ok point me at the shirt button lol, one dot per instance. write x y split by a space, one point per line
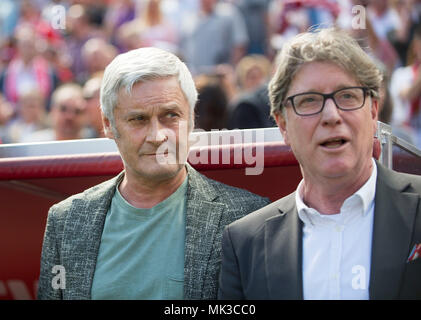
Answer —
339 228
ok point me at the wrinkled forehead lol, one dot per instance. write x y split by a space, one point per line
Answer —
320 76
152 93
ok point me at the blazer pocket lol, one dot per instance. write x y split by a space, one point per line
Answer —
411 284
174 288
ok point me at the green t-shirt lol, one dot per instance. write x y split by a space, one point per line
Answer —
141 255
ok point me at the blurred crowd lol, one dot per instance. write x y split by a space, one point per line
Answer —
53 54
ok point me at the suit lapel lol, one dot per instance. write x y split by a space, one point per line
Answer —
203 217
392 232
283 253
82 238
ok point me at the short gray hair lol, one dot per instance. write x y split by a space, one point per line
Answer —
140 65
325 45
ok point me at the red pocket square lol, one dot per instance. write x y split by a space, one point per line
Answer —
415 253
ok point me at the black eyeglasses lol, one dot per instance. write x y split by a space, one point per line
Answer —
346 99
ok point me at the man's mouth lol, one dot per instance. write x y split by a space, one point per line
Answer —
334 143
155 154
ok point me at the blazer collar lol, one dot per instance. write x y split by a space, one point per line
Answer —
394 217
82 236
283 252
203 217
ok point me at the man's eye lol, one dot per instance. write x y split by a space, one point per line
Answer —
171 115
347 96
308 100
137 118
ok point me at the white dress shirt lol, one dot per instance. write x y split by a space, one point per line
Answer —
337 248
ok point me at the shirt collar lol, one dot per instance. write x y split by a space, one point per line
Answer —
363 198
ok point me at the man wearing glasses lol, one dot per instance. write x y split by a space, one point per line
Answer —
352 229
67 116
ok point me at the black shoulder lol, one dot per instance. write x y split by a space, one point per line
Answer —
253 222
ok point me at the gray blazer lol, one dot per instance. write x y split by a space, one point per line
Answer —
262 252
74 228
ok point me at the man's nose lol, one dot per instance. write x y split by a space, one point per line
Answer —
156 132
330 113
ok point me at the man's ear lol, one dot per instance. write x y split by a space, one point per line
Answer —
106 123
375 113
282 125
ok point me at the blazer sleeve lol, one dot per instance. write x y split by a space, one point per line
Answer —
49 258
230 287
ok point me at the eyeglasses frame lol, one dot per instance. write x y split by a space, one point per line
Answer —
327 96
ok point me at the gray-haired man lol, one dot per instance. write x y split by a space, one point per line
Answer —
154 231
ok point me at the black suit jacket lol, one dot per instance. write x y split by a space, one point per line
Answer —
262 252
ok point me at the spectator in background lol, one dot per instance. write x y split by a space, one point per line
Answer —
31 117
80 30
28 70
60 61
128 37
51 28
252 72
217 35
226 74
405 89
179 12
400 37
30 13
9 15
381 20
375 44
288 18
212 106
385 100
155 29
255 13
382 17
91 91
117 14
96 55
151 28
6 113
67 116
251 109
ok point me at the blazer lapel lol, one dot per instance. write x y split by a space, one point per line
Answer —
394 217
82 238
283 253
202 221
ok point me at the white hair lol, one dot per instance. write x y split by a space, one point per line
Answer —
140 65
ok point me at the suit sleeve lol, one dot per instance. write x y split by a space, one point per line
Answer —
230 287
49 258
